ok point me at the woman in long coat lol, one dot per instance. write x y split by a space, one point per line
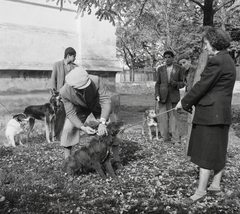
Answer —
212 96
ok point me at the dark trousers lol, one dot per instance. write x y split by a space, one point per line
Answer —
60 119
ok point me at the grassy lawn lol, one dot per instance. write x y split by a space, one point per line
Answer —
156 177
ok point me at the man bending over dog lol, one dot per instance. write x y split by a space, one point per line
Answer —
83 94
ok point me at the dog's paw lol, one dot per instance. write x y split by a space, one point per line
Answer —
117 165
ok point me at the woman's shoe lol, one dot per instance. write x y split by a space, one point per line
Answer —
189 201
214 192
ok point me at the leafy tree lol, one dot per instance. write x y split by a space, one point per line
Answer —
164 26
209 8
146 27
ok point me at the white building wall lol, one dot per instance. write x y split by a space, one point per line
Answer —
35 33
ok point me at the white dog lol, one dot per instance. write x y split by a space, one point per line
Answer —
150 120
15 127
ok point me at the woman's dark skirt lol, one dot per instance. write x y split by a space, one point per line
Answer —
208 146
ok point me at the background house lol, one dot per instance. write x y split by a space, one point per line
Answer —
34 35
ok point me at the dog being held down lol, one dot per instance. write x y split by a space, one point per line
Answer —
150 120
15 127
95 155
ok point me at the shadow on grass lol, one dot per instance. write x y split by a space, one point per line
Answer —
128 150
6 152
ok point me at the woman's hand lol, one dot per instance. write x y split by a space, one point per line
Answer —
88 130
179 105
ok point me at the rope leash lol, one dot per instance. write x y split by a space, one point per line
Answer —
135 124
166 111
3 127
5 108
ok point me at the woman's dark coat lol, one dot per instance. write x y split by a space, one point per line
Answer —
212 94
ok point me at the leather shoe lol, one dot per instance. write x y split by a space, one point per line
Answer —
189 201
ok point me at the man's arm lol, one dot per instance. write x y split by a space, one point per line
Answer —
71 113
54 77
104 101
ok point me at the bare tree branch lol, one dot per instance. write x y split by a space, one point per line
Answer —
222 5
199 4
142 8
234 6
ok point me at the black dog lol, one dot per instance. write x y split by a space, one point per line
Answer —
46 113
95 155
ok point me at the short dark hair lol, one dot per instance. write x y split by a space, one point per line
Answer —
69 51
217 37
183 56
169 52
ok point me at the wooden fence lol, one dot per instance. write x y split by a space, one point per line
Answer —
142 76
145 76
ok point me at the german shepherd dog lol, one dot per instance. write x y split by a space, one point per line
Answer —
46 113
150 120
95 155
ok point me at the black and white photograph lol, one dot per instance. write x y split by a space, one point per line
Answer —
120 106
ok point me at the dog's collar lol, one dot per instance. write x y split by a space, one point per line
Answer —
20 122
107 154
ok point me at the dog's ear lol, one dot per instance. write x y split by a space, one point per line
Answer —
53 91
19 117
16 116
146 113
113 128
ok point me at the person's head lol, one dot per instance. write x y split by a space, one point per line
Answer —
184 60
215 39
70 54
169 57
78 78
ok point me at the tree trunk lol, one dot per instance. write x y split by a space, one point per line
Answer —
208 13
202 60
167 44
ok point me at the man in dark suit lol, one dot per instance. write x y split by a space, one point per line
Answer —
170 78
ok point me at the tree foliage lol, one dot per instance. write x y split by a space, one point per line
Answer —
145 28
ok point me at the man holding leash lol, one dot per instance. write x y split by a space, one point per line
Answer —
60 70
82 95
170 78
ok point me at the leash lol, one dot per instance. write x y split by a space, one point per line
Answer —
3 127
135 124
5 108
166 111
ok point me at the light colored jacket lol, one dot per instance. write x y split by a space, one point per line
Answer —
71 101
59 73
